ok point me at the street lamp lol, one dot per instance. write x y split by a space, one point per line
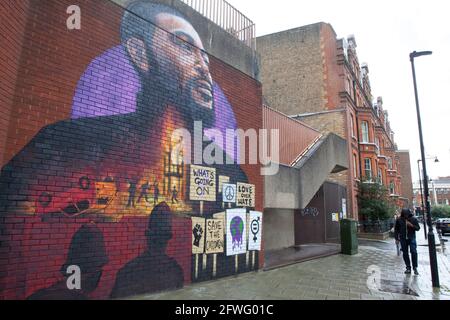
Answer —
431 238
421 197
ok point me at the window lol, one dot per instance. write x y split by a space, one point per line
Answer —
368 169
380 176
377 142
352 124
365 131
392 188
355 166
390 163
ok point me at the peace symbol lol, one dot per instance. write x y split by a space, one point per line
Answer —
229 193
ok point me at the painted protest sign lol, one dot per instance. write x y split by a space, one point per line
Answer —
202 184
222 181
255 231
245 195
236 231
214 236
229 193
198 235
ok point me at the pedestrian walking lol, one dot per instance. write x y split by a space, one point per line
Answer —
132 194
405 234
155 192
174 195
144 192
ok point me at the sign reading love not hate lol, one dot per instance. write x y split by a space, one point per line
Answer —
245 195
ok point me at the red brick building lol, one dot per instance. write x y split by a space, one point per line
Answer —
312 76
439 192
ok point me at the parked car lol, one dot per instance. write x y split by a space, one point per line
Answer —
443 224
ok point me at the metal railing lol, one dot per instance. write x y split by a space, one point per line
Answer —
228 18
379 226
295 136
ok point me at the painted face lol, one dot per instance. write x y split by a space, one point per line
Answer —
180 50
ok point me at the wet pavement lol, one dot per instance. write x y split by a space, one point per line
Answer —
375 273
293 255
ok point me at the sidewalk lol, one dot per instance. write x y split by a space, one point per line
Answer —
337 277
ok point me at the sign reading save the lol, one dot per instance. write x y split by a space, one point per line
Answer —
203 184
245 195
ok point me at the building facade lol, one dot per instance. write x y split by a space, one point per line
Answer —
439 192
312 76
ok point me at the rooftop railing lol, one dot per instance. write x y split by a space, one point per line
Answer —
228 18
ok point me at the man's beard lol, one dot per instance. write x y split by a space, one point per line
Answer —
160 90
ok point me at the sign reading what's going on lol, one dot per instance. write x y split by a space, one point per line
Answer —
202 184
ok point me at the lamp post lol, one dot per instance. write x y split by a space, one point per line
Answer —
431 238
421 197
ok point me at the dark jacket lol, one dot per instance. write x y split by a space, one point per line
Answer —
403 231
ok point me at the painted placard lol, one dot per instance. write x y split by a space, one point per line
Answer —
245 195
229 193
236 231
198 235
222 181
203 184
214 236
221 215
255 231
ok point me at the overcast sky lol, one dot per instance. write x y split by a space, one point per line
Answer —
386 32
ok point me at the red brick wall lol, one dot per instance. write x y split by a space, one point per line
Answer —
10 51
65 183
405 173
333 72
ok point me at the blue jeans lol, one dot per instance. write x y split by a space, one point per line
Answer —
412 244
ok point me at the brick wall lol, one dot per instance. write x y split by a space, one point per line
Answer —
11 39
292 62
327 122
92 175
405 172
333 72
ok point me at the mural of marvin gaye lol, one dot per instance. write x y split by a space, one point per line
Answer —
114 187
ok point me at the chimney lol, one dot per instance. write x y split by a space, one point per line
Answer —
380 102
352 41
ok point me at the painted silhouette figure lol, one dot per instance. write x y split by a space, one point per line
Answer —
153 270
132 194
87 242
144 192
174 195
155 193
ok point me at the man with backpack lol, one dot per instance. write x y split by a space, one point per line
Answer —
405 232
